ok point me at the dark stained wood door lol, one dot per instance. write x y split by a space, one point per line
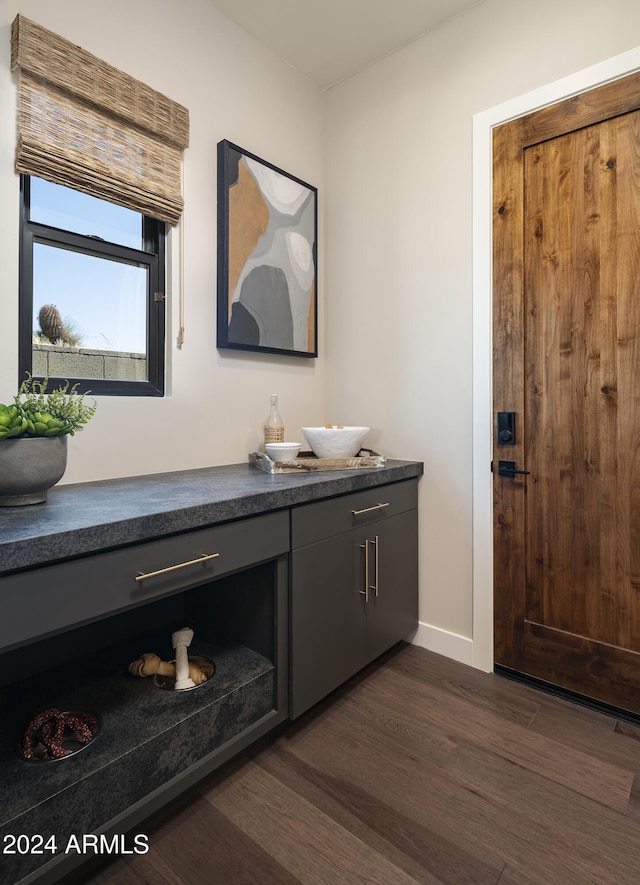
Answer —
567 362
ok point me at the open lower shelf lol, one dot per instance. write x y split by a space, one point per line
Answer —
148 736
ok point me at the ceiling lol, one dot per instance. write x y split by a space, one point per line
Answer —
329 40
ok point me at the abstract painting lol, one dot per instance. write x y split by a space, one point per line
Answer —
267 257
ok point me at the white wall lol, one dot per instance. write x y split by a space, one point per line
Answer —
399 254
235 89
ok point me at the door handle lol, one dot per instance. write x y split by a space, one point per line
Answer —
508 468
365 592
376 586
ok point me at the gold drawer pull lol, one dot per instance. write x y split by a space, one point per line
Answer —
142 576
369 509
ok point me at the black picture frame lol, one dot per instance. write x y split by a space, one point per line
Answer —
267 292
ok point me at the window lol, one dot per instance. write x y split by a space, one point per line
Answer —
92 277
100 155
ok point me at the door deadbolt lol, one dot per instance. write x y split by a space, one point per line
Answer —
506 428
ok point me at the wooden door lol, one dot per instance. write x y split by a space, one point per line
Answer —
567 362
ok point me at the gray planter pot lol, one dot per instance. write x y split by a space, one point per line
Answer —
29 467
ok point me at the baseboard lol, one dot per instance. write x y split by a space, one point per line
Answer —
442 642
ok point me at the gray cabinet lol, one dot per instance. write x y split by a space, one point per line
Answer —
68 634
354 585
80 600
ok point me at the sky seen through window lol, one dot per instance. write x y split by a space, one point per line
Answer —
102 301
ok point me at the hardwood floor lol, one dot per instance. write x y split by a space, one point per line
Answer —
418 770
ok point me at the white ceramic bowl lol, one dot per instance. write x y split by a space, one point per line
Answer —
335 442
284 451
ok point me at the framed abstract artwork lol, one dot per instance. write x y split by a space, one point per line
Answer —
267 257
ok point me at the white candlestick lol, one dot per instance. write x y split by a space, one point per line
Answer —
181 640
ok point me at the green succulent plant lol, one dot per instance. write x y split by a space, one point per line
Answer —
34 412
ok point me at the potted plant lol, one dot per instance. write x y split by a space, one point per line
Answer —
33 438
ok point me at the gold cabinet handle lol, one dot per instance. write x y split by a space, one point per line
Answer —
375 587
204 557
365 592
369 509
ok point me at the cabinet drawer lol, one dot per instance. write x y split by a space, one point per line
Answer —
324 519
46 600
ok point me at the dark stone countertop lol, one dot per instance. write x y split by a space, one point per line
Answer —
83 518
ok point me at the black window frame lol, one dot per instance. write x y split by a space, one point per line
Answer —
151 255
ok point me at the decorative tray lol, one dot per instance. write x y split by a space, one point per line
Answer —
307 461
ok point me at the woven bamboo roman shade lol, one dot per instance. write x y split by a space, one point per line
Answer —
89 126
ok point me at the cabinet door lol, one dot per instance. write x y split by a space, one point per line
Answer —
392 607
327 619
